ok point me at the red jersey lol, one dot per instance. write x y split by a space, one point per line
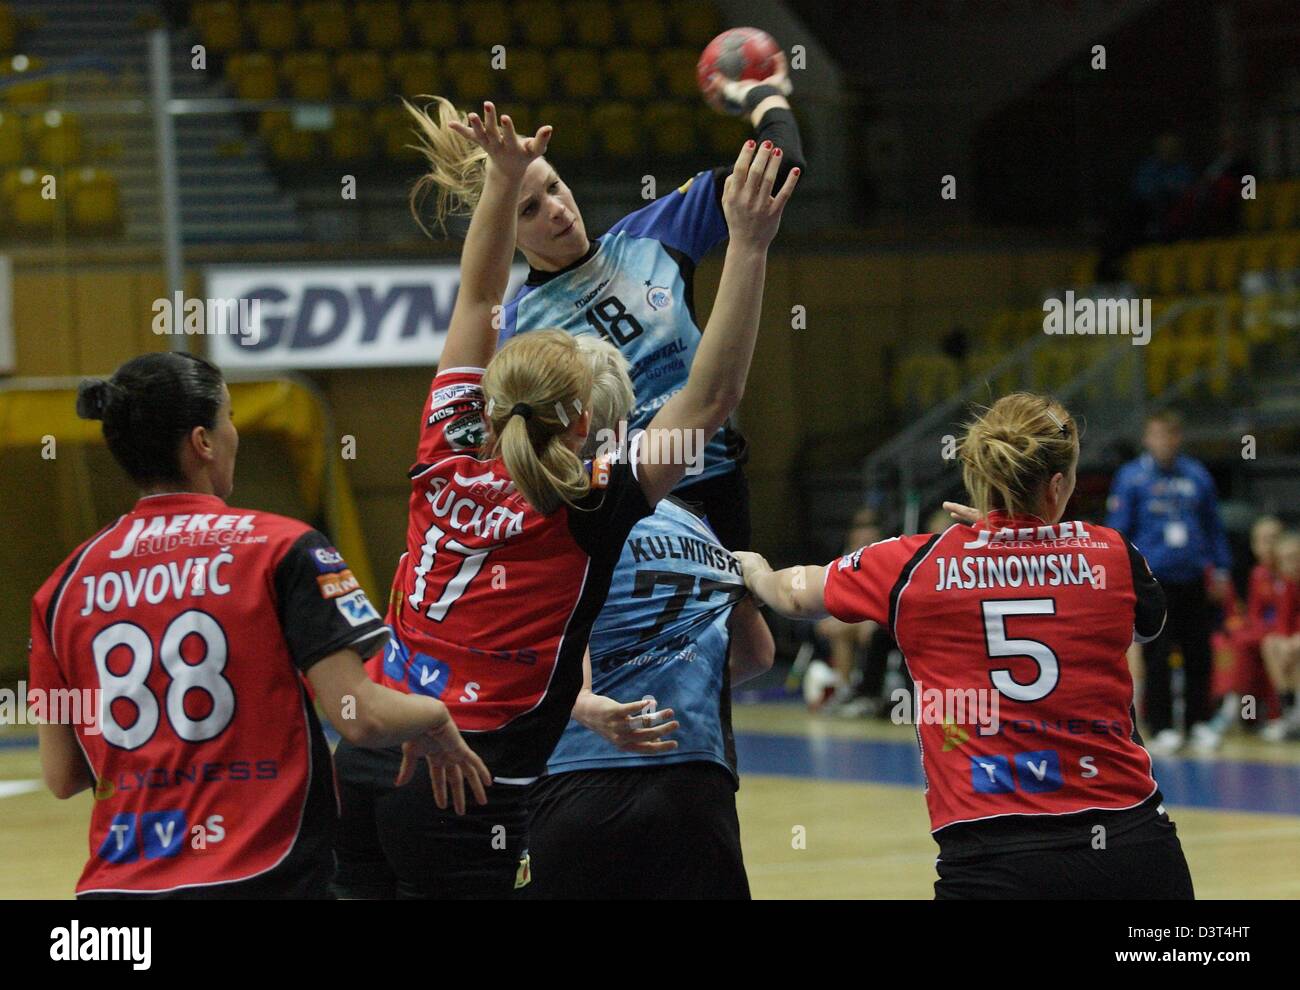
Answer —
189 623
1266 599
1015 634
493 602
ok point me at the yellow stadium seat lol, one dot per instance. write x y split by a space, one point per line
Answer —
30 212
524 117
54 138
1159 362
486 23
526 69
925 379
93 203
415 74
350 138
364 76
1254 212
540 23
616 129
572 130
293 146
1198 258
724 135
218 25
1285 203
20 93
1259 254
671 127
435 23
696 22
980 364
1140 266
307 75
1257 322
12 149
676 67
1169 269
470 76
631 74
253 76
381 25
999 330
578 73
1286 256
275 29
270 121
1227 263
327 24
590 22
644 22
394 130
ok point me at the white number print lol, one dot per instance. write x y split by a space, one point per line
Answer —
469 569
995 639
205 676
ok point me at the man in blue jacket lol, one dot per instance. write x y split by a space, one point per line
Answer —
1165 503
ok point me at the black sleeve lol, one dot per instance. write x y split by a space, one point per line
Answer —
780 127
601 521
321 606
1149 609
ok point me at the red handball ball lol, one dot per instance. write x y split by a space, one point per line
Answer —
735 54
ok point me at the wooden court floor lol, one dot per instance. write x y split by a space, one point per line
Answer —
828 809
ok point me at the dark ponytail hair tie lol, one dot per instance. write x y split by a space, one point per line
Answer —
522 409
93 396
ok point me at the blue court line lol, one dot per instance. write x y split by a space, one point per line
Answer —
1219 785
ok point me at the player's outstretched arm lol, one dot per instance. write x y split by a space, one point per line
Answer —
371 715
796 592
717 377
490 242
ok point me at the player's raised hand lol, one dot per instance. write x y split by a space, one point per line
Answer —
508 153
452 765
627 726
753 213
961 513
751 565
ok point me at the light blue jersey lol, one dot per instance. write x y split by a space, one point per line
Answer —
663 634
635 288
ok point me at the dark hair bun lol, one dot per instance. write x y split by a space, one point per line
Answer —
92 398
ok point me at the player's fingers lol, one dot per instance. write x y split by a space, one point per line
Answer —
787 189
456 781
508 130
476 127
744 160
490 120
630 709
461 129
438 775
479 780
640 735
651 747
754 180
541 139
769 174
406 771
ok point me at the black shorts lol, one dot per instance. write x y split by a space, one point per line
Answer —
640 833
394 842
724 503
1142 863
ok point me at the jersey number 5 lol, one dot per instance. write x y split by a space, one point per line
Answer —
997 644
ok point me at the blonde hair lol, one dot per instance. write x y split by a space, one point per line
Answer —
1011 451
456 164
545 371
612 396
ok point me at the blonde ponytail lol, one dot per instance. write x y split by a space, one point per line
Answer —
536 386
1011 451
456 164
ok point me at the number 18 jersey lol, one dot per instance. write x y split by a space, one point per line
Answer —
1015 633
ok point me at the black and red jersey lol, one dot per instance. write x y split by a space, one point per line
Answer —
1015 633
493 602
189 624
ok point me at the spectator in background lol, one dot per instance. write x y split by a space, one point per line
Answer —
1246 675
1165 503
1281 648
1218 191
1159 191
